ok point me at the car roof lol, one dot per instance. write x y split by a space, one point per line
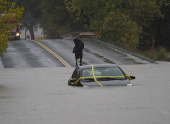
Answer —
96 66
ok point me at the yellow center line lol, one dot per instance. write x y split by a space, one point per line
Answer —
53 53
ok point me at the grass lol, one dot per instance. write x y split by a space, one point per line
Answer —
159 54
39 37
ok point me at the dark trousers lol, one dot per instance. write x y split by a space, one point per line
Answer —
79 56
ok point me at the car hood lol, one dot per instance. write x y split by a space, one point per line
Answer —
106 83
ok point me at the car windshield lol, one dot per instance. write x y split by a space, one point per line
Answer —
102 72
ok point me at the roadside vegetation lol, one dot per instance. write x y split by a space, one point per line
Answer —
141 26
9 12
160 54
157 54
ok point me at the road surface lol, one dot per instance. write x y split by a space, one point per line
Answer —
29 54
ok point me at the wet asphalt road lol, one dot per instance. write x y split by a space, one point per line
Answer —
28 54
41 96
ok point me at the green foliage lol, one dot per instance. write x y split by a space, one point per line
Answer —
55 18
8 12
162 27
121 20
134 22
32 14
160 53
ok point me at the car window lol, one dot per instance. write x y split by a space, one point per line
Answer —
112 71
77 75
109 71
74 73
86 73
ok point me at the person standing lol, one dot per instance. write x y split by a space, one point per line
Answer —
78 49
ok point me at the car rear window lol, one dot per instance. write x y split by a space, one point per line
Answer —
109 71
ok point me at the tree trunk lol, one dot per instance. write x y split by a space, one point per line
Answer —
153 42
31 29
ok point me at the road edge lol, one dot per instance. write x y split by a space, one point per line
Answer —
1 64
123 50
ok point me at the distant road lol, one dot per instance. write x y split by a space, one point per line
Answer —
30 54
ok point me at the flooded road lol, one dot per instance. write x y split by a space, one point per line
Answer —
41 96
34 90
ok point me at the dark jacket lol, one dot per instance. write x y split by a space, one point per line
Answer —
79 46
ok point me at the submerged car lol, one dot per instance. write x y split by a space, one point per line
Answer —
99 75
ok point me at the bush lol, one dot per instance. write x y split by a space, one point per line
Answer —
161 54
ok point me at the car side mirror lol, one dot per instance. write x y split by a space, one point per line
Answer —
71 81
132 77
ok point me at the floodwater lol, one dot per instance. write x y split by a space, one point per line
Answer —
41 96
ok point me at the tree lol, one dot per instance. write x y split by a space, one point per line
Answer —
120 20
53 14
32 14
151 37
55 18
162 27
9 12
